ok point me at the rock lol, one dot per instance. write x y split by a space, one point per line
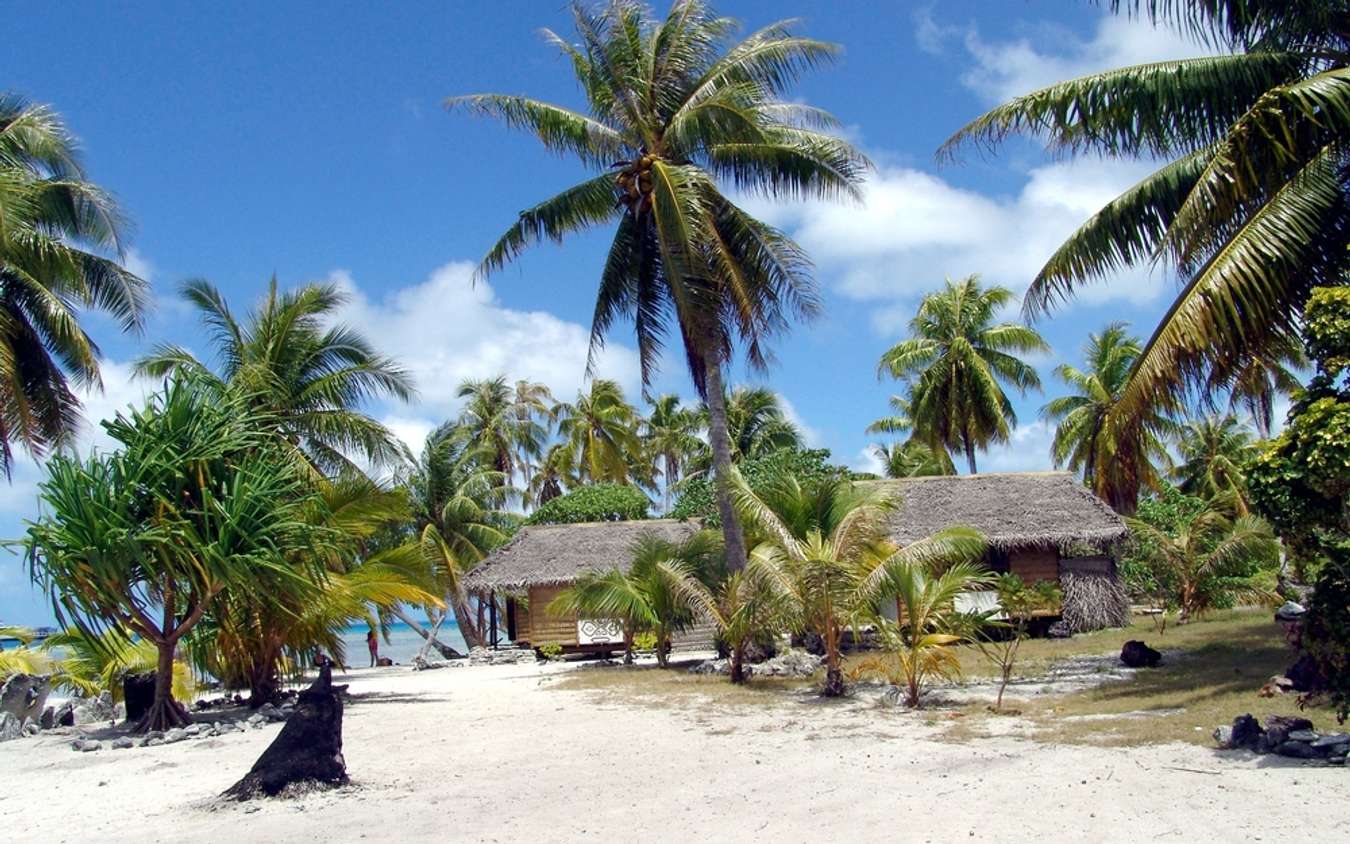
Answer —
1309 736
138 690
31 729
1059 630
192 729
175 735
122 743
420 664
1331 741
256 719
813 644
711 666
25 695
1290 611
1245 732
1298 750
757 652
792 663
1136 654
86 745
1223 736
1278 728
10 728
1305 675
152 742
891 697
65 715
47 719
384 662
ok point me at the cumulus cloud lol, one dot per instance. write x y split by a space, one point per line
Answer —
1027 450
1047 53
447 329
139 265
915 228
810 436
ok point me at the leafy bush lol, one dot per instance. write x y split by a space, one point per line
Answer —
595 503
1168 511
698 499
644 642
1301 482
550 651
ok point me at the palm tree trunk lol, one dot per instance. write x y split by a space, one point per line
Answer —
970 452
732 535
444 649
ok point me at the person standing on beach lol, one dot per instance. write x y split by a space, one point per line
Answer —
373 643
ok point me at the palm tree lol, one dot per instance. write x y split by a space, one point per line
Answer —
601 428
957 361
556 474
913 459
1117 464
1248 207
673 108
897 422
53 227
1214 453
456 497
199 500
653 595
919 644
828 543
1255 382
670 435
757 424
1209 557
532 403
293 364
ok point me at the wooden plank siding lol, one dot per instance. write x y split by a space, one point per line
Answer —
1033 566
543 627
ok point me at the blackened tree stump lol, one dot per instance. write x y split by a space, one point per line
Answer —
138 690
307 750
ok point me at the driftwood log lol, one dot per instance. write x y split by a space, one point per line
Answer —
307 750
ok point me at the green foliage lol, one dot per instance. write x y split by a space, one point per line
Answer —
550 651
645 641
1019 600
698 496
1167 511
1302 480
594 503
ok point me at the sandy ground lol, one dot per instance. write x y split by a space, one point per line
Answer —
498 754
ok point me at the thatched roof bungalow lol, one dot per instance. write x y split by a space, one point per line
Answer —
1039 525
541 560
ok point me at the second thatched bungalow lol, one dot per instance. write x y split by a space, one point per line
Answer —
1039 525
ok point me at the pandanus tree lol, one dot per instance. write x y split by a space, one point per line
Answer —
1248 207
826 544
673 110
1116 464
306 373
956 362
56 228
198 499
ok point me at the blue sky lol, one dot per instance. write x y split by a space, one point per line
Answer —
309 141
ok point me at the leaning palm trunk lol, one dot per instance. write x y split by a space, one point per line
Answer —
429 636
732 535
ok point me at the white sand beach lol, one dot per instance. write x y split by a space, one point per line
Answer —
497 753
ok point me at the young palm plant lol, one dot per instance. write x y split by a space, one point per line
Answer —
1215 451
54 227
1211 559
1249 206
674 109
827 545
956 363
306 374
1117 463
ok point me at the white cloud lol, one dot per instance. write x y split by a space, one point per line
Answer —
914 229
867 461
810 436
1049 53
1027 450
447 329
139 265
412 431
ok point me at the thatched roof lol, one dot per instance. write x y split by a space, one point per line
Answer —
1013 510
543 554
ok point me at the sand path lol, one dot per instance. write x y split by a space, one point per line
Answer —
497 754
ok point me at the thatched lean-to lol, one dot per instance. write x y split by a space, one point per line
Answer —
541 560
1016 511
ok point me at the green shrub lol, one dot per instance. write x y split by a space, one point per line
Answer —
698 499
595 503
644 642
550 651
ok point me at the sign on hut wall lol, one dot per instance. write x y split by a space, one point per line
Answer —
599 631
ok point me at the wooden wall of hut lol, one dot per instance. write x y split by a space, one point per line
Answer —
1035 564
543 627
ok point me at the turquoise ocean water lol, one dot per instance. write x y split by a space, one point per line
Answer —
403 643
